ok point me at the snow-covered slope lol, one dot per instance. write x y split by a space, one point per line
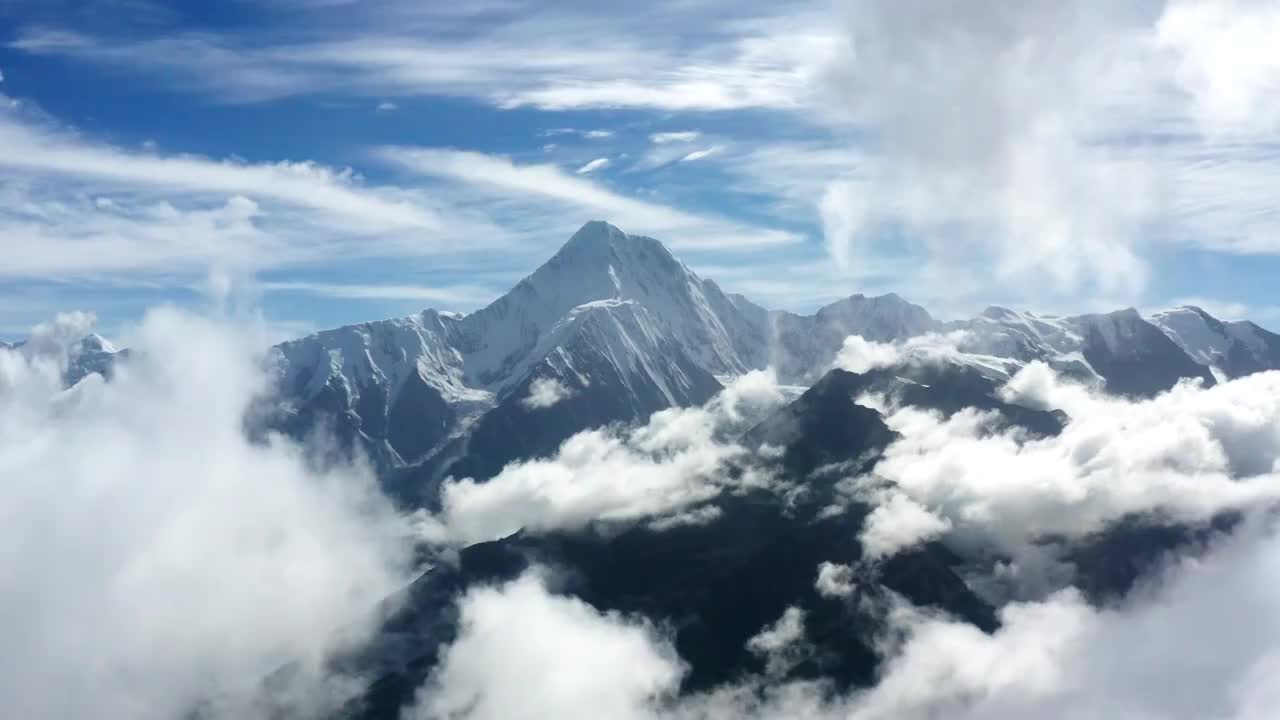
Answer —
605 362
1231 349
600 262
1119 350
395 387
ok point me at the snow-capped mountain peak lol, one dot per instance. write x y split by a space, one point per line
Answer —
601 262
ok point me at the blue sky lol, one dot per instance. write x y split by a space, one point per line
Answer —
329 162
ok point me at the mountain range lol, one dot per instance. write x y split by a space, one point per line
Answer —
613 328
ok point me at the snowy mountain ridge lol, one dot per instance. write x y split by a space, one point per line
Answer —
618 305
613 327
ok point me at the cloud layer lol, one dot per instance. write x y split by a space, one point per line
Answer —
157 561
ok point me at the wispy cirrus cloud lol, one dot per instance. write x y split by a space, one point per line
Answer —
42 150
701 154
594 165
452 296
511 60
678 136
544 182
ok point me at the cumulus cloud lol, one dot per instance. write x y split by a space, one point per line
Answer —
163 564
1016 173
859 355
1173 648
1187 455
782 644
525 652
834 580
544 393
663 469
1175 651
898 523
1226 62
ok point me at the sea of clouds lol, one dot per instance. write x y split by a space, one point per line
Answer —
155 560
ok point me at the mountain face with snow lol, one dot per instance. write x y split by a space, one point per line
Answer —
613 322
1119 351
1231 349
613 328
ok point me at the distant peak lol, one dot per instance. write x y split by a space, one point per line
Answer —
596 231
93 342
599 244
999 312
1198 311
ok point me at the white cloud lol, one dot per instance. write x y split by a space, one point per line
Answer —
597 164
1078 142
834 580
1174 648
700 154
1176 653
663 470
524 652
509 62
677 227
598 134
453 296
385 106
163 553
898 523
1226 61
782 644
860 355
682 136
337 193
91 213
1188 455
844 211
1014 173
544 393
